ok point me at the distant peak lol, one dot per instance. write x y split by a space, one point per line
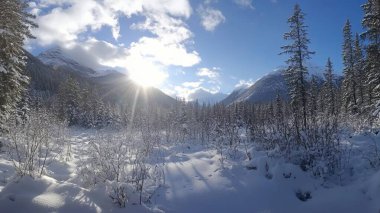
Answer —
56 57
52 51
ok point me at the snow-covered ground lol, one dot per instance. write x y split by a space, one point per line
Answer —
195 181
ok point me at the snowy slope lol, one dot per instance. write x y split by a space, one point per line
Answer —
235 94
56 58
263 90
266 88
206 97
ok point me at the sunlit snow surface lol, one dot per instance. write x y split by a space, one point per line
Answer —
195 181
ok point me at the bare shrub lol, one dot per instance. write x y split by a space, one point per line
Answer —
34 142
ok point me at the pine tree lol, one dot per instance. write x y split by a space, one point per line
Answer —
371 23
313 100
15 24
297 71
279 114
349 81
359 69
69 101
329 96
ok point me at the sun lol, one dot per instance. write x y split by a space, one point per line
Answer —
148 78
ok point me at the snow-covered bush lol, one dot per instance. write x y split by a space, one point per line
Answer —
373 154
118 193
120 160
140 173
218 140
34 142
107 158
106 161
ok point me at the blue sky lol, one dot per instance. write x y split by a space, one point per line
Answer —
180 46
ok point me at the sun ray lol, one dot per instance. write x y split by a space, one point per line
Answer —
148 78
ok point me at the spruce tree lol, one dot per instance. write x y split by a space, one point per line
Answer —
329 95
359 70
371 24
279 114
349 81
313 99
296 72
69 101
15 24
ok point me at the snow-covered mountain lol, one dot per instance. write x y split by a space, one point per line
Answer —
53 67
263 90
235 94
59 60
205 97
266 88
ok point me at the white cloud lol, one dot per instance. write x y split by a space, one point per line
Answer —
68 19
69 24
212 73
209 80
185 92
245 3
98 54
210 18
192 84
244 83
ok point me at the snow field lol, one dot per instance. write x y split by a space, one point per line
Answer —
195 181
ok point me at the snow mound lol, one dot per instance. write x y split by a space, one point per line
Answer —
49 200
45 194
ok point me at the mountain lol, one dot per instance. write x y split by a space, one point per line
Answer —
265 89
235 94
118 88
205 97
52 67
58 60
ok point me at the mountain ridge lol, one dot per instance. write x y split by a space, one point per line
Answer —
205 97
115 87
266 88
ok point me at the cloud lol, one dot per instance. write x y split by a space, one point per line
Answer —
245 3
185 92
210 18
167 41
212 73
68 19
209 80
193 84
98 54
244 83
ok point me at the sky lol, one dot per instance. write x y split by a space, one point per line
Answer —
180 46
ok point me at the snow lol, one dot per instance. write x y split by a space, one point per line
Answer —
2 69
197 184
239 90
56 57
195 181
